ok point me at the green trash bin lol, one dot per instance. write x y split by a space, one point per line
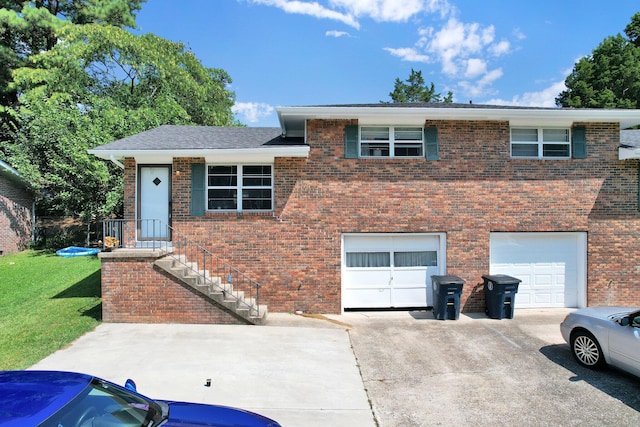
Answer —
500 295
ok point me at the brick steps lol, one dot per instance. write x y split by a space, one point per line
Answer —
219 291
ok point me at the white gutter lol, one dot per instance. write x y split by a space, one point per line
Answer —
114 160
210 155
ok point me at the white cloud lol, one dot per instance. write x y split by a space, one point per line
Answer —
347 11
475 67
252 112
311 8
543 98
482 85
334 33
391 10
408 54
500 48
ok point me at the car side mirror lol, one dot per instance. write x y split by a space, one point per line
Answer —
624 321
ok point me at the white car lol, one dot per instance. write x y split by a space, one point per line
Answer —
604 335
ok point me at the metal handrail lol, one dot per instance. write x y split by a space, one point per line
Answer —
212 270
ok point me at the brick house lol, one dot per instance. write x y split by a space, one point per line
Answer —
356 206
16 211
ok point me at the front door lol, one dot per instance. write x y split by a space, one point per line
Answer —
154 192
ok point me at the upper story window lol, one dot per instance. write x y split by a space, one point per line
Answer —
541 143
240 187
391 141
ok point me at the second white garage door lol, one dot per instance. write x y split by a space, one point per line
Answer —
552 267
384 271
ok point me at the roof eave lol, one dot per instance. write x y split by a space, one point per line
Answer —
210 155
416 115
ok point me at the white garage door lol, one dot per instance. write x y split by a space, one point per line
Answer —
552 267
382 271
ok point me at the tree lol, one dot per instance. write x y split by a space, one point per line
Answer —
100 83
610 76
415 90
29 27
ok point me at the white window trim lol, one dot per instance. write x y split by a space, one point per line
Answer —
238 187
540 143
391 141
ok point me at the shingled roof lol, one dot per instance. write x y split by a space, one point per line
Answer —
172 137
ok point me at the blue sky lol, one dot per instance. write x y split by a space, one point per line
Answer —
319 52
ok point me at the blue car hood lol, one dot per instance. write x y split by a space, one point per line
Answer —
196 415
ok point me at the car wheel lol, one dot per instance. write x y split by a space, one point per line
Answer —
586 350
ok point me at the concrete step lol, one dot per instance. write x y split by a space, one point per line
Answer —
220 292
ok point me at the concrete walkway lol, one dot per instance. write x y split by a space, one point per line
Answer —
296 370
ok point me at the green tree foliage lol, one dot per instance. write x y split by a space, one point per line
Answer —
29 27
97 84
414 89
610 76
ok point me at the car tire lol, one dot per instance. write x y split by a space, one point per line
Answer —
586 350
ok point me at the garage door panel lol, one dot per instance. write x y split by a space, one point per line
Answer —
368 298
363 278
413 259
409 297
547 264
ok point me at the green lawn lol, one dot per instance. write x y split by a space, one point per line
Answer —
46 302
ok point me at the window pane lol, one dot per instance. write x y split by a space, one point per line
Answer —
222 198
555 150
222 176
408 134
525 135
407 150
374 149
374 134
368 259
257 199
256 176
223 181
524 150
415 259
555 135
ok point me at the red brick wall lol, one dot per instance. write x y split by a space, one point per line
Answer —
134 291
15 216
474 189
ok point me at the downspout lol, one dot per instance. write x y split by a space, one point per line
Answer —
114 160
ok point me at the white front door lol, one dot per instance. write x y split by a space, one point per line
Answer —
154 189
384 271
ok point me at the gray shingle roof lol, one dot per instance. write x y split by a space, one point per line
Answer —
630 137
436 105
172 137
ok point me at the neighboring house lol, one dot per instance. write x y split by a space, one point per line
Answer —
16 211
357 206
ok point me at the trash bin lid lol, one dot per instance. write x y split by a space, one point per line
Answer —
501 279
447 280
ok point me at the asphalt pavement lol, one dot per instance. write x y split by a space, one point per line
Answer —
366 369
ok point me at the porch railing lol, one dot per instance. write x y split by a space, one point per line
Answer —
211 269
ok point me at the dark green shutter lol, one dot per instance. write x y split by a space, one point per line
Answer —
197 189
579 142
431 143
351 142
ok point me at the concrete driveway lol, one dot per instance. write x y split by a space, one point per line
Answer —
367 369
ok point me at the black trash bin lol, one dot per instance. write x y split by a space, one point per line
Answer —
446 297
500 295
